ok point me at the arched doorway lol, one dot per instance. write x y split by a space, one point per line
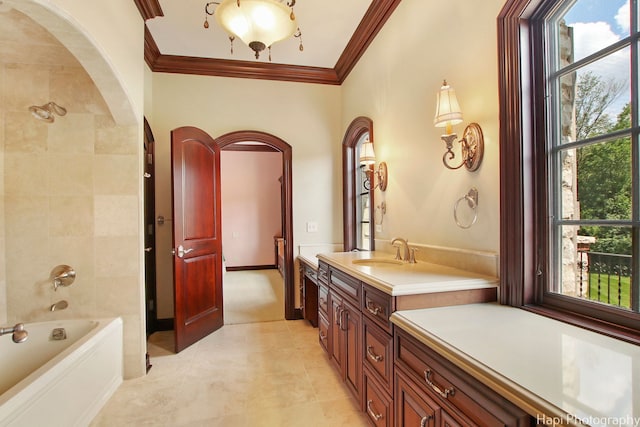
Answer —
278 144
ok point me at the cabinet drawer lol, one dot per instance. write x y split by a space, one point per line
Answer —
378 354
323 299
378 306
345 284
323 332
311 273
454 390
323 273
377 404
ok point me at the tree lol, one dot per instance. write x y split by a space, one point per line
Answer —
604 169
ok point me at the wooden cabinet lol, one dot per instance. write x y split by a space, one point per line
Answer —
309 292
428 384
412 406
345 340
398 380
377 355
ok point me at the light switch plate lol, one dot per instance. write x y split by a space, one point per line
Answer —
312 227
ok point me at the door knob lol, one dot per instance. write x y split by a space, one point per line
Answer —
149 249
182 251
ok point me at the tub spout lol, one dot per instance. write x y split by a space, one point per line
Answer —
60 305
19 334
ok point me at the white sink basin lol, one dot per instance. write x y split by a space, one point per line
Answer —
377 262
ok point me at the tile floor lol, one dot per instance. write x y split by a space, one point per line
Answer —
267 374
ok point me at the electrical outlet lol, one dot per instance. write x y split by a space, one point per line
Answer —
378 228
312 227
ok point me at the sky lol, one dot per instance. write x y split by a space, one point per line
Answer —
596 24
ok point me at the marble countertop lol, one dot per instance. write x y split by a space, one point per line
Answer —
558 373
406 279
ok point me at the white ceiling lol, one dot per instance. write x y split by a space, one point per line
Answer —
327 27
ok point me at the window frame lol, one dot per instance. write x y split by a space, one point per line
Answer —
350 167
524 227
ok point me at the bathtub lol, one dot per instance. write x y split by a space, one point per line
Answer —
63 382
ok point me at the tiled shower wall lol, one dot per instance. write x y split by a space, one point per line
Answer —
70 191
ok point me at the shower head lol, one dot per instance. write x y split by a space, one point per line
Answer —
45 112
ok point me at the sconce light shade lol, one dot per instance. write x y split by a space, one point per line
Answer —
472 143
368 158
367 155
447 107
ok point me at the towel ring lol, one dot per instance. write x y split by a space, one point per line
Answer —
472 200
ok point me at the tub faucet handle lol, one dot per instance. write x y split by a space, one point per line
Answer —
62 275
18 331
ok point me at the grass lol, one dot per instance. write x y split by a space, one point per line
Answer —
609 289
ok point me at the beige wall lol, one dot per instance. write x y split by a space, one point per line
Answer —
72 189
306 116
251 206
395 84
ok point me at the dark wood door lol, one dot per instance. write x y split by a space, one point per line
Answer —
149 230
197 236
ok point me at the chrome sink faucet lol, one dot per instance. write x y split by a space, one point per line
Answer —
405 246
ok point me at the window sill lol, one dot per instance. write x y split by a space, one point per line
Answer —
589 323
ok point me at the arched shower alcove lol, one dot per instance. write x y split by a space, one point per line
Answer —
73 188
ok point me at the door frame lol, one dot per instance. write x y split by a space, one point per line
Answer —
290 311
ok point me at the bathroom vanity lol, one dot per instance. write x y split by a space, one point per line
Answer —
357 294
427 345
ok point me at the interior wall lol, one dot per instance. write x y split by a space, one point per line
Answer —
251 206
72 188
306 116
395 84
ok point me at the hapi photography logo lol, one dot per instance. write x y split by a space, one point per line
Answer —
627 421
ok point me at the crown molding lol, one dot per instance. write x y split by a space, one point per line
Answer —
374 19
149 8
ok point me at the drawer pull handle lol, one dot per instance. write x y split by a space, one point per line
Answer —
447 391
323 336
371 308
425 420
372 355
375 416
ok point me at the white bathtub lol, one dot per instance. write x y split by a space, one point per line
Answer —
60 383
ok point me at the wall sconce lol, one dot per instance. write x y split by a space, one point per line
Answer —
368 159
472 143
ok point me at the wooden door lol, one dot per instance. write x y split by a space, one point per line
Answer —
149 230
197 236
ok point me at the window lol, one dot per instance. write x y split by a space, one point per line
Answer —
570 155
357 194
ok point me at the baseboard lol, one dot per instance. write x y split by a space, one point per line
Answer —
164 324
252 267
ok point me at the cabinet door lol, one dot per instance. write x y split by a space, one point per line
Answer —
336 344
351 327
323 332
413 407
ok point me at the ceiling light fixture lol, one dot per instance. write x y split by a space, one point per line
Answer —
258 23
